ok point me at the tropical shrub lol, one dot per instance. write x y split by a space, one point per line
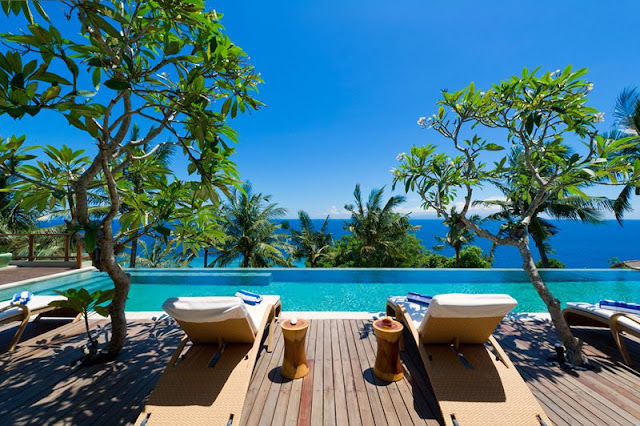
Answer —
552 264
83 302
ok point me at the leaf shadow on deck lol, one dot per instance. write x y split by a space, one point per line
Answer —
39 386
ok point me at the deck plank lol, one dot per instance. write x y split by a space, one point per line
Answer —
317 400
38 386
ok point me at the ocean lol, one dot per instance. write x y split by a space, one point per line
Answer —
576 245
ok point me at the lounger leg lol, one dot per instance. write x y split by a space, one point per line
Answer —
391 312
272 326
619 339
21 329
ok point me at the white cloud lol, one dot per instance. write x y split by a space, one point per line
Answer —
337 213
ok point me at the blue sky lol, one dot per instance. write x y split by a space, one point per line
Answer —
346 81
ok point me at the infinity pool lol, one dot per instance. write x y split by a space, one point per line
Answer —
350 289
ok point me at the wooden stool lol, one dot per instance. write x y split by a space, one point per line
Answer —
388 334
294 364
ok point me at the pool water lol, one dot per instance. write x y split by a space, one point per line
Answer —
350 289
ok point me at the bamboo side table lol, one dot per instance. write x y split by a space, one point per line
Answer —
294 364
388 333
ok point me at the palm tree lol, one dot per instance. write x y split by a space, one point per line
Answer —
160 255
251 234
458 235
13 218
309 244
627 119
377 228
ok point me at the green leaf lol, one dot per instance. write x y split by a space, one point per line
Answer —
36 4
101 310
493 147
50 93
86 93
226 105
90 237
75 121
117 84
95 77
529 123
172 48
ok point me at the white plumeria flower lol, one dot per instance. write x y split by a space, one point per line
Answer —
599 117
482 93
590 87
422 121
394 171
401 156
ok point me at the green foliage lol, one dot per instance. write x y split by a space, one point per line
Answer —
627 120
168 66
379 232
83 302
458 234
309 244
161 255
250 232
553 264
473 257
587 209
539 115
347 252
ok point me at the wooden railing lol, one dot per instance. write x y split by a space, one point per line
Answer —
78 256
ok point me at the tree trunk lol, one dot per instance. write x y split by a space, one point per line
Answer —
542 251
457 249
134 253
572 345
122 283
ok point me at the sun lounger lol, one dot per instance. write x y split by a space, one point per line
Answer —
474 384
37 305
208 384
595 315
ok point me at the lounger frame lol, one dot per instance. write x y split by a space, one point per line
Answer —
510 375
25 315
235 391
580 317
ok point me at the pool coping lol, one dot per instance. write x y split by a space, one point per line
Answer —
357 315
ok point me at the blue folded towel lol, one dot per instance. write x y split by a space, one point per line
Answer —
21 298
248 297
632 308
418 298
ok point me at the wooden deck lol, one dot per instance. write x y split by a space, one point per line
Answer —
38 384
20 273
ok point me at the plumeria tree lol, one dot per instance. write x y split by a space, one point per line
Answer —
166 65
545 116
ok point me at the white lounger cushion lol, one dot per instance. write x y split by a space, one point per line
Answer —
462 305
457 305
606 314
36 303
216 309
